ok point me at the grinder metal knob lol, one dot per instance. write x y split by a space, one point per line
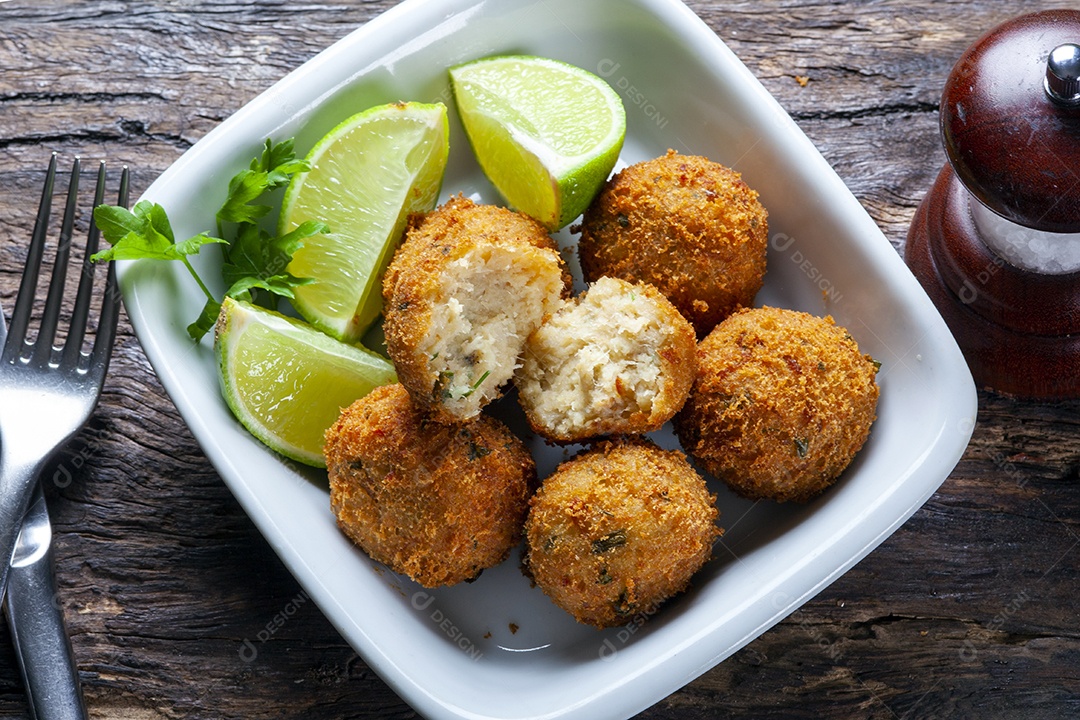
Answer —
1063 74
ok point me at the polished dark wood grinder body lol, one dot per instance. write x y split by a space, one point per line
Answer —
1014 149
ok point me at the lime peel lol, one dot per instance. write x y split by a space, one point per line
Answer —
546 133
367 176
285 381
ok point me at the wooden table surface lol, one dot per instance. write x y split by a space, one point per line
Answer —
970 609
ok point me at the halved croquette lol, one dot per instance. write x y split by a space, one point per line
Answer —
463 292
618 359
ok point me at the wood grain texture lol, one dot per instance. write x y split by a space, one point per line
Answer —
969 610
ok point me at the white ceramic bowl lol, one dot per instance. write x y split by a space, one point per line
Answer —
497 647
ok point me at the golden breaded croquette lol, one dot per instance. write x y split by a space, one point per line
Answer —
435 502
782 402
618 529
617 359
685 224
465 288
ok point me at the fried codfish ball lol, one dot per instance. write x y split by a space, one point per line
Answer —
685 224
465 288
617 530
782 403
618 359
431 501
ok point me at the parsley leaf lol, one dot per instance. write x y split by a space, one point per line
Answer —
254 261
272 170
142 232
206 320
145 232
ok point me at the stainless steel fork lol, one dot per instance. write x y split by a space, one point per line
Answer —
36 621
47 392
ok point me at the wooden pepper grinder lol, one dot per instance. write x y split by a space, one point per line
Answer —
996 242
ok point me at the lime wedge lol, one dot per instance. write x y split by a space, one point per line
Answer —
546 134
367 175
285 381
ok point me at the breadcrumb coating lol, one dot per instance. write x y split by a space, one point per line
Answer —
687 225
464 290
618 529
617 359
431 501
782 403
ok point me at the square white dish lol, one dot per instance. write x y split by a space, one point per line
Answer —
497 647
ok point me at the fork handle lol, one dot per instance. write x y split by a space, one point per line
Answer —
18 478
41 640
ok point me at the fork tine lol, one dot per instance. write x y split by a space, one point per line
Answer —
106 331
43 345
24 301
79 314
124 180
110 306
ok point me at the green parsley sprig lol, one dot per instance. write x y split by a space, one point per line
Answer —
254 261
